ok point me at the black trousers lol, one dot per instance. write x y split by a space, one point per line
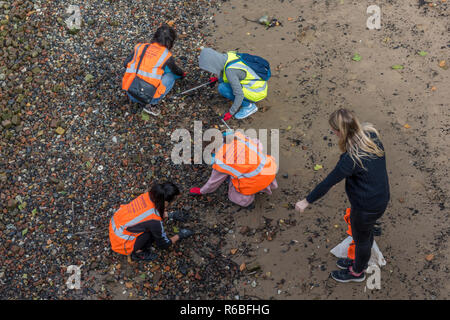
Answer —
144 241
362 223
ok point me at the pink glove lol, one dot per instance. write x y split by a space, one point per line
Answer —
227 116
195 191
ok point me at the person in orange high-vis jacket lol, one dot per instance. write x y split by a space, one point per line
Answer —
157 68
250 171
136 225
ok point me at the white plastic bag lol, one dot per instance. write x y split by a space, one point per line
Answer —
376 257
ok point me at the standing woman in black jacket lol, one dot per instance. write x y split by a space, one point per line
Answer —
363 166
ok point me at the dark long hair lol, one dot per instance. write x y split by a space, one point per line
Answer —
165 36
161 192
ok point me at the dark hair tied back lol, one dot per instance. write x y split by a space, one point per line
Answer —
161 192
165 36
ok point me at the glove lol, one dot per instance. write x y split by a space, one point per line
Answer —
227 116
212 81
185 233
195 191
178 215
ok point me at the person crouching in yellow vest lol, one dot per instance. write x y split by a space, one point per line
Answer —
237 82
136 225
250 170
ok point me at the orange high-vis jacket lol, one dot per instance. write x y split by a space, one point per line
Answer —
351 247
151 69
139 210
251 170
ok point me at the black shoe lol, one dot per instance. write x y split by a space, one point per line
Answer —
179 215
143 256
377 230
344 263
346 276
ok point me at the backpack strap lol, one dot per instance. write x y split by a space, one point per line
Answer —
231 62
237 60
142 57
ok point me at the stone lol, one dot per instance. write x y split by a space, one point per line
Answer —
253 266
60 131
60 186
54 180
15 120
6 124
54 123
244 230
99 41
12 204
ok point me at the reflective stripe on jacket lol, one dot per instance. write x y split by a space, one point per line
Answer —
151 69
251 170
254 88
139 210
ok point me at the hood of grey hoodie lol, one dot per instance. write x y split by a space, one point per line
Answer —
212 61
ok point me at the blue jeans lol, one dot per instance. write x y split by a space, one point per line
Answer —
168 80
226 91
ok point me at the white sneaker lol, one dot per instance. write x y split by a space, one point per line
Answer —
152 110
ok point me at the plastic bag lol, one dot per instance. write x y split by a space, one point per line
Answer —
376 258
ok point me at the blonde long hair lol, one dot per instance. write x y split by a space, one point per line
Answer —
354 137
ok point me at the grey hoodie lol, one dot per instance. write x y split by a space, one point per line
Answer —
212 61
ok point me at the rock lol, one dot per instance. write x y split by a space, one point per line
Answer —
244 230
6 124
253 266
15 249
54 123
15 120
60 131
88 77
12 204
99 41
60 186
53 180
74 31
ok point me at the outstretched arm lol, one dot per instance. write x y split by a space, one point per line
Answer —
343 169
215 180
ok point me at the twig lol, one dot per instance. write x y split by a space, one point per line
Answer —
87 232
255 297
256 21
73 218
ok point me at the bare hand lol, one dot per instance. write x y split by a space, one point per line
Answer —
301 205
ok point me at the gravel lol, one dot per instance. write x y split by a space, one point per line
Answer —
74 149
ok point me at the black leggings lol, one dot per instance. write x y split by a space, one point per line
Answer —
362 223
144 241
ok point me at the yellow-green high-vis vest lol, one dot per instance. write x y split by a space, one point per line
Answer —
254 88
